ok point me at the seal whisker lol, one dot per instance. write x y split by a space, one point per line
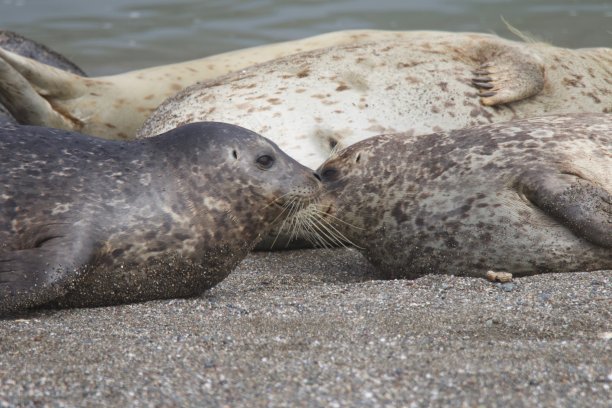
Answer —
279 215
333 217
324 236
277 199
312 221
340 238
290 206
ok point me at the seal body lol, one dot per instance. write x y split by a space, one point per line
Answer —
88 222
415 84
115 106
312 103
528 196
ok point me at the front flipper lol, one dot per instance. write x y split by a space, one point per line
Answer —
507 74
579 204
35 276
33 91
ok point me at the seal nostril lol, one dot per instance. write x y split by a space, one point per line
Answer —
317 176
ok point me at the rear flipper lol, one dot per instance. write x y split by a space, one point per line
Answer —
29 48
507 74
29 89
580 205
32 277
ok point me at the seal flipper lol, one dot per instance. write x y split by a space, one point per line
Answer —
508 74
34 276
27 88
21 45
582 206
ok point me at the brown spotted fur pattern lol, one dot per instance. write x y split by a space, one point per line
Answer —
314 102
87 221
528 196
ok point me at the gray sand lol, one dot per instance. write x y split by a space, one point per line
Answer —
315 328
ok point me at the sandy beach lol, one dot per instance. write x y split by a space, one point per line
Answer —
316 328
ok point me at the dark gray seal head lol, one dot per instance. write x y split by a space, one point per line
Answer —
525 197
88 222
25 47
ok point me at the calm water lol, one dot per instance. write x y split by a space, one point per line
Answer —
111 36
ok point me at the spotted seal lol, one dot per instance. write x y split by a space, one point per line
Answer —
524 197
23 46
312 103
87 222
340 87
115 106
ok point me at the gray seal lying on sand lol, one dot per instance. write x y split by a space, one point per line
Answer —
312 103
88 222
28 48
525 197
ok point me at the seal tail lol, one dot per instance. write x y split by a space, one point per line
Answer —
29 89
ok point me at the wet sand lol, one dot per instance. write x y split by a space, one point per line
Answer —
315 328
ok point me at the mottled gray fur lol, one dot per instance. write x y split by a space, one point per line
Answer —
87 221
527 196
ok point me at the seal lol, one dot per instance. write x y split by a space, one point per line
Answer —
90 222
116 106
523 197
20 45
312 103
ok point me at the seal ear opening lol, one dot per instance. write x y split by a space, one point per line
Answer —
358 158
235 154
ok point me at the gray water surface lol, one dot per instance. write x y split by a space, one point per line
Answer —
112 36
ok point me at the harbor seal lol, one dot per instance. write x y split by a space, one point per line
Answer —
312 103
524 197
20 45
116 106
89 222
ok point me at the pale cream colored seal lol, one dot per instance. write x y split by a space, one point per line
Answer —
312 103
115 106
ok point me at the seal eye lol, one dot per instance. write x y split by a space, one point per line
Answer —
330 174
265 161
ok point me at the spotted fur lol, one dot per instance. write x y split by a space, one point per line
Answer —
314 102
279 99
87 221
527 196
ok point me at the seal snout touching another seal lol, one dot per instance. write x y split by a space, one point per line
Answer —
523 197
88 222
